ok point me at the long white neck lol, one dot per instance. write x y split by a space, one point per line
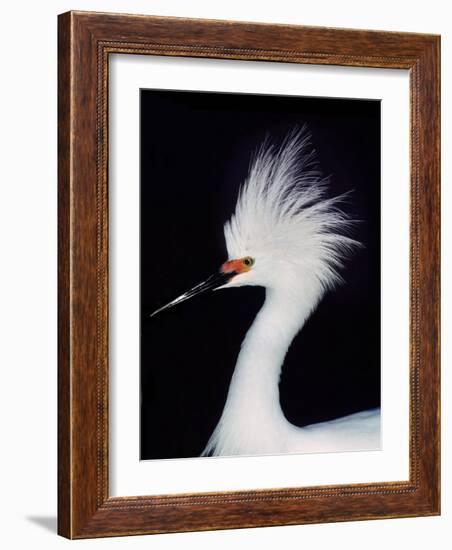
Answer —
252 418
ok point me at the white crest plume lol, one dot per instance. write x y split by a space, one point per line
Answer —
283 211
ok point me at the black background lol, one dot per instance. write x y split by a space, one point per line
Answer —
195 152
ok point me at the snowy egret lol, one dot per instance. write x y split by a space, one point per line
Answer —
287 236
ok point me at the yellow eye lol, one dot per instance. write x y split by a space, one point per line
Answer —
248 261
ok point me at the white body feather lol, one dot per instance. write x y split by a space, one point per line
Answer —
296 238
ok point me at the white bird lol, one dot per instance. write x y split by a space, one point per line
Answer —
289 238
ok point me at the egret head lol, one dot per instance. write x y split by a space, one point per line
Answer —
284 231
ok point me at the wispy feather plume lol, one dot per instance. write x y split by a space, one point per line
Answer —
283 211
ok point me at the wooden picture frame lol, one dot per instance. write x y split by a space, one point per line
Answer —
85 42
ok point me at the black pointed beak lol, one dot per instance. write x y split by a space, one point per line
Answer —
213 282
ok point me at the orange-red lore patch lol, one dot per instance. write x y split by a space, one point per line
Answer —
234 266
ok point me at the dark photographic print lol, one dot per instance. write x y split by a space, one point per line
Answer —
260 274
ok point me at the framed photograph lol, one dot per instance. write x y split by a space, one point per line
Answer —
248 275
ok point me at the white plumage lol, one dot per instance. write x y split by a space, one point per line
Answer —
296 238
288 237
